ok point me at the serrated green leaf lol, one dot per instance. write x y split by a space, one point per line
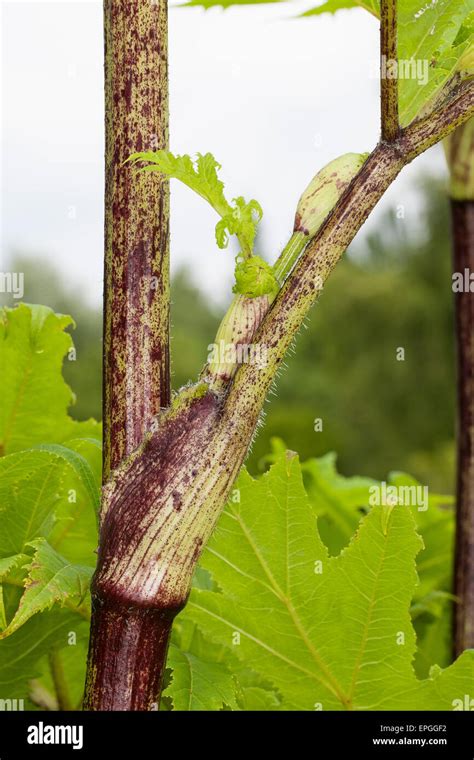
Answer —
340 502
51 580
328 631
11 568
433 38
30 483
427 35
82 468
332 6
20 654
436 526
250 691
35 397
198 685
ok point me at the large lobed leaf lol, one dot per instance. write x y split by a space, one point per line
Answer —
306 638
51 579
49 489
327 632
434 40
197 684
35 397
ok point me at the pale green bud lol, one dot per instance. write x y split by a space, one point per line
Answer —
324 191
234 342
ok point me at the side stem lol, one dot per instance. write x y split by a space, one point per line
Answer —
388 57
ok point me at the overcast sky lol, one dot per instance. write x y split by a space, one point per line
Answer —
273 97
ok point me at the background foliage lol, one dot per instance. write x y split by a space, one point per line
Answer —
305 598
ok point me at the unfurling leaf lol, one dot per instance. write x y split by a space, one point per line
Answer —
241 221
239 218
254 277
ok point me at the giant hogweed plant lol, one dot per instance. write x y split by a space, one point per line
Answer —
306 597
297 604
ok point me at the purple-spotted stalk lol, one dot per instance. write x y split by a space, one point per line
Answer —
161 502
136 273
136 380
460 156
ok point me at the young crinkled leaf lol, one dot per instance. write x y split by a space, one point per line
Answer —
199 175
241 221
239 218
254 277
35 397
327 632
51 580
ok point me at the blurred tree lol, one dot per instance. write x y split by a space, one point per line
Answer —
379 413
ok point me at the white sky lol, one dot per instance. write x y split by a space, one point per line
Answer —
273 97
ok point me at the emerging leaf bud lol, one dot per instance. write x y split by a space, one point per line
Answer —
324 191
254 277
